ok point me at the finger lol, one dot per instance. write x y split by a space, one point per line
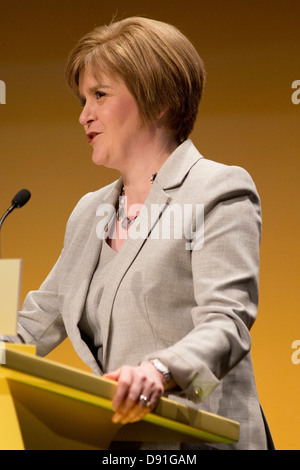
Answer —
125 395
126 398
130 399
132 383
141 407
136 414
114 375
147 406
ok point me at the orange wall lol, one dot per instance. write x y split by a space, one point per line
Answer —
247 118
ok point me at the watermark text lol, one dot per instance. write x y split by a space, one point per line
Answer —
2 92
296 94
296 353
159 222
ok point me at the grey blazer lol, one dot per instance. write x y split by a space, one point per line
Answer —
186 299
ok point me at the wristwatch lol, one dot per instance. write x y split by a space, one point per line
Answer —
160 367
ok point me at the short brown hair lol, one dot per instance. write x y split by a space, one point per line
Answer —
158 64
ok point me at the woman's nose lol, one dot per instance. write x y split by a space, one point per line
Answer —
87 115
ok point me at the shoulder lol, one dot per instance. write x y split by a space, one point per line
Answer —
202 175
219 173
221 188
213 180
83 215
90 201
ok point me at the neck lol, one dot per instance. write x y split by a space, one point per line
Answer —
137 178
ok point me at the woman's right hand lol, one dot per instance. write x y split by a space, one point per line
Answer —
138 392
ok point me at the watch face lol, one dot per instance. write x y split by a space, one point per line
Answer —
161 368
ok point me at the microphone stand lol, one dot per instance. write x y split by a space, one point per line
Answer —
9 210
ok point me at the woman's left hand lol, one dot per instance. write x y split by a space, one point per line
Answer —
138 392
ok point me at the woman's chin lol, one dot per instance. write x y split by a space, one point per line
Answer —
104 160
98 159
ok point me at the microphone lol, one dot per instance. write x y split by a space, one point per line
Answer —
20 199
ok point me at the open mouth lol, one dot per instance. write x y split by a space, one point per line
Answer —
92 135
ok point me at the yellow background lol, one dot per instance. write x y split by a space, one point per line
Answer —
247 118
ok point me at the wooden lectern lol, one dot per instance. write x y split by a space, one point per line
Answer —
48 406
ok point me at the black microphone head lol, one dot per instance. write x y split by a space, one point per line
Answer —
21 198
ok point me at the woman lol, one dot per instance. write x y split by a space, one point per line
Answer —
148 294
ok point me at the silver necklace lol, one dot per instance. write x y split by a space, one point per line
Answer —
121 212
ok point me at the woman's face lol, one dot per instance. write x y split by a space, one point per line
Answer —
111 121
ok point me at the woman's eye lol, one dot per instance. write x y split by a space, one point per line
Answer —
99 94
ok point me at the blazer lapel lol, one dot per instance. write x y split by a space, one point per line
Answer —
171 175
84 265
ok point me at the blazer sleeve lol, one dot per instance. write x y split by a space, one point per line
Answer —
40 321
225 276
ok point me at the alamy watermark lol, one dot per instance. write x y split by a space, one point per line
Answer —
2 92
2 353
296 94
159 222
296 353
